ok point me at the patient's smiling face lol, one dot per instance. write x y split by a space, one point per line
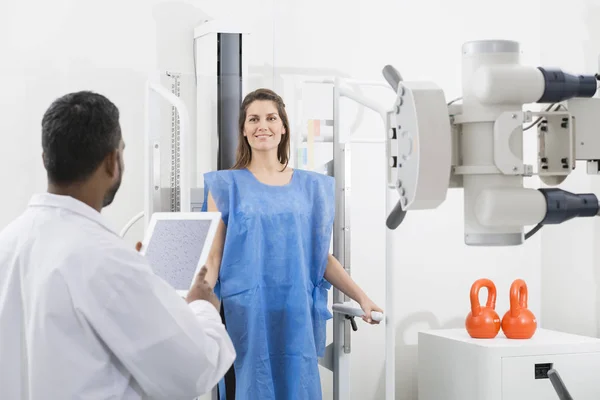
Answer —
263 127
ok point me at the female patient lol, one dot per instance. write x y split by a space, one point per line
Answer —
270 262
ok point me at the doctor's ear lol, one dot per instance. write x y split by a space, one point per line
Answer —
111 163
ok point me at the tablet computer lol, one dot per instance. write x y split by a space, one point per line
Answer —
177 245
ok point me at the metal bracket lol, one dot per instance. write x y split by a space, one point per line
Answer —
346 151
347 332
345 177
504 127
555 134
475 170
327 360
391 150
460 119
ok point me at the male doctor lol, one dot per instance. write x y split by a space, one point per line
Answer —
82 316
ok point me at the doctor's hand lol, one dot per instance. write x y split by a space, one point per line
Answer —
201 290
367 306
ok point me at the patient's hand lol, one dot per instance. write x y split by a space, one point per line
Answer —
201 290
368 306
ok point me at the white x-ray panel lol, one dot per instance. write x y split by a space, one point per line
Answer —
177 245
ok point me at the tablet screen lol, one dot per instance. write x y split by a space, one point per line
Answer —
175 248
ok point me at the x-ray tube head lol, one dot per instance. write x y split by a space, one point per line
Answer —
478 142
514 83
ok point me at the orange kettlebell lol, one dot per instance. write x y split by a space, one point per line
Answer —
483 322
518 322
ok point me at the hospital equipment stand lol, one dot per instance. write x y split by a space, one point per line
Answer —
341 250
337 355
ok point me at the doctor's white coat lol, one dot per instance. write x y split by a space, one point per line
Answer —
82 316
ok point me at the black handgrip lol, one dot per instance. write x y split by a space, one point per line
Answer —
396 216
392 76
352 322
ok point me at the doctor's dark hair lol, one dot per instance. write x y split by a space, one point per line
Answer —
244 151
79 130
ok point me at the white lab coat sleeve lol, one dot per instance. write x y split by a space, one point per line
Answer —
174 350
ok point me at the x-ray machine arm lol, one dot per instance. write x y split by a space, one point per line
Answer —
478 145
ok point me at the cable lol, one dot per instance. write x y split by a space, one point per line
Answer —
131 223
537 121
533 231
195 67
455 100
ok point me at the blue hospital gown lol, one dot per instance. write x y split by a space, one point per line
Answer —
271 279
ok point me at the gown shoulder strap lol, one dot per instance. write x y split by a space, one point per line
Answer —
219 184
323 187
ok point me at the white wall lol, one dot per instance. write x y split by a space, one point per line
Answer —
110 47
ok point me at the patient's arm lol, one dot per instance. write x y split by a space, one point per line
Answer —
216 251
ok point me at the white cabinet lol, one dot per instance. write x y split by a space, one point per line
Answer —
579 371
453 366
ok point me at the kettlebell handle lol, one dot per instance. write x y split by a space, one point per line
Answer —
518 297
491 299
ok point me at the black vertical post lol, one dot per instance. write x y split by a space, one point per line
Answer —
229 94
229 100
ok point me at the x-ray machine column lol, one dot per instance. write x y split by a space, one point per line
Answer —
221 69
